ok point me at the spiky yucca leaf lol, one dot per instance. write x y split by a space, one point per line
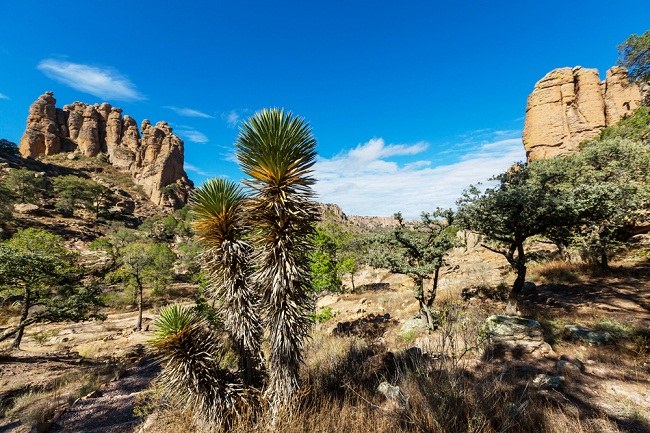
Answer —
215 209
217 220
277 151
191 355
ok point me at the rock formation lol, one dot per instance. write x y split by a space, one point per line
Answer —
571 105
154 159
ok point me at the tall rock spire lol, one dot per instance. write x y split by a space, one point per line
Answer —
154 159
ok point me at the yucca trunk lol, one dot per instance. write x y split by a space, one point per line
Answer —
238 306
277 150
220 225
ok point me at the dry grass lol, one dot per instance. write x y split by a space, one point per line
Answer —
448 389
558 272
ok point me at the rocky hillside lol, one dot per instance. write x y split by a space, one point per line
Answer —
153 155
571 105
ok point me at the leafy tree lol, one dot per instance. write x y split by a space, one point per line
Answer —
417 250
611 187
26 185
73 192
35 265
323 263
143 265
527 201
164 228
634 54
7 198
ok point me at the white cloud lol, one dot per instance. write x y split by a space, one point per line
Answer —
232 118
102 82
196 170
364 181
189 112
191 134
3 96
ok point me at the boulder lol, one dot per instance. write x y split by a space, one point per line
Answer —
547 381
571 105
516 334
25 207
585 335
395 399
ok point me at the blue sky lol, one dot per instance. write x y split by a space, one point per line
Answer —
410 101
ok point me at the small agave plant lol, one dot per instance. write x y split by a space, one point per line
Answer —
192 355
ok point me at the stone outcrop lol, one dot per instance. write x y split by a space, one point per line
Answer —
152 154
571 105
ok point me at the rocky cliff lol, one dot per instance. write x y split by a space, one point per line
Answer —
152 154
570 105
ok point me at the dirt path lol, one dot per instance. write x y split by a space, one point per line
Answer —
112 410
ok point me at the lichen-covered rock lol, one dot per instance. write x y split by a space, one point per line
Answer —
155 160
571 105
578 333
516 334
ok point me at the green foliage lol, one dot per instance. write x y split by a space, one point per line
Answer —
324 264
634 54
174 319
323 315
144 265
635 127
26 185
529 200
35 265
610 181
164 228
7 198
73 192
417 250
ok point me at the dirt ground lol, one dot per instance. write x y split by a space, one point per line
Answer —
614 379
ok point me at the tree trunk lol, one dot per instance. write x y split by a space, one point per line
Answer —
604 261
138 326
27 301
425 311
520 266
11 332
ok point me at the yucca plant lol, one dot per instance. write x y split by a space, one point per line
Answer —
277 151
192 375
218 222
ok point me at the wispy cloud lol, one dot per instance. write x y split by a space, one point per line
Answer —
103 82
365 181
191 134
3 96
189 112
196 170
232 117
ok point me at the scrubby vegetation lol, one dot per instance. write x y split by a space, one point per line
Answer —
272 333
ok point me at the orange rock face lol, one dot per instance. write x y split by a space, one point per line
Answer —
571 105
155 159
